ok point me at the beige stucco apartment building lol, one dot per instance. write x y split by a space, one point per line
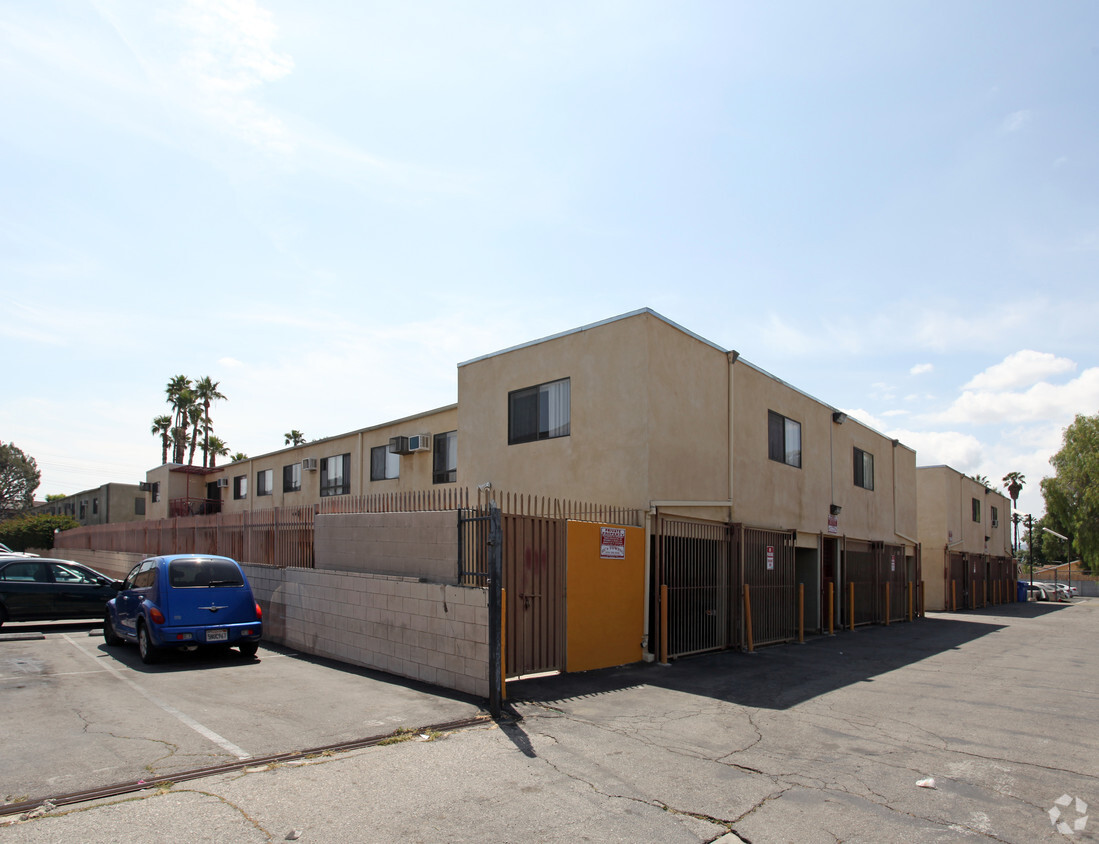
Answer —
965 531
638 412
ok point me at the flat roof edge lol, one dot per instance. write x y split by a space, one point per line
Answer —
593 325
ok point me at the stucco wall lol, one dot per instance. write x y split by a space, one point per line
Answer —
420 545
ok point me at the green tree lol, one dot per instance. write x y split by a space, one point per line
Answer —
1072 495
34 531
56 496
194 419
162 427
216 448
236 458
981 479
206 392
294 437
180 397
19 478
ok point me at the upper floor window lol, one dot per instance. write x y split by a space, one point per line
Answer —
783 439
240 486
976 509
95 506
864 469
539 413
265 482
155 492
445 459
385 465
336 475
291 477
995 517
83 509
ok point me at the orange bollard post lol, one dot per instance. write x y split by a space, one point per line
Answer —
663 623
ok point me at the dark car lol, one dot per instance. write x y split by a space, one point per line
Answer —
183 601
42 589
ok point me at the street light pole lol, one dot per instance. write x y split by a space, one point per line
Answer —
1030 544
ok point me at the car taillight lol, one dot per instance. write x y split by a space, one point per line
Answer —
156 615
259 612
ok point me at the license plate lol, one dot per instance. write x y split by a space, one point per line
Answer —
217 635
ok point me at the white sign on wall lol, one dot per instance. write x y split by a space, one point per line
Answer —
612 543
770 558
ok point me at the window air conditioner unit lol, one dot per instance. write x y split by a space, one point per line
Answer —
145 486
419 442
223 482
399 445
309 464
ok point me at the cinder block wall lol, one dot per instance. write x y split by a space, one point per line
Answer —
421 545
432 632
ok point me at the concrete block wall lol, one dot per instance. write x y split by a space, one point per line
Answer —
433 632
420 545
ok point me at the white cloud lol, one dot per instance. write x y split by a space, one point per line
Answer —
1016 120
921 369
957 450
1041 402
1020 370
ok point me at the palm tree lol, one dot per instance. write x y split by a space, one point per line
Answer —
180 397
194 416
216 448
295 437
240 455
981 479
1013 483
161 426
206 392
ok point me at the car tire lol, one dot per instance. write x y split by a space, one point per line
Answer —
145 647
110 637
248 649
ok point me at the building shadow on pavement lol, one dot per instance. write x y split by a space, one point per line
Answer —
783 676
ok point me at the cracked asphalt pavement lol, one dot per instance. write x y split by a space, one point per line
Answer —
818 742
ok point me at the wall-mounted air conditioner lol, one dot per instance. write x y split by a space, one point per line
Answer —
398 445
419 442
223 482
309 464
145 486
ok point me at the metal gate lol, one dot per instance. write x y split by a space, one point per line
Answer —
534 583
861 570
894 572
957 582
769 573
696 561
533 579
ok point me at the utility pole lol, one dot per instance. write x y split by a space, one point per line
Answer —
1030 544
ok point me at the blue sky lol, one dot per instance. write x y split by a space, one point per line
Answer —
326 206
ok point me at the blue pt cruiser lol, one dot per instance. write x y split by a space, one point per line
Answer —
183 601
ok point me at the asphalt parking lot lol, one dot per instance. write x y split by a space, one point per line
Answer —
823 742
78 715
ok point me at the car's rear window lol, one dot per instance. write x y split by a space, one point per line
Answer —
199 572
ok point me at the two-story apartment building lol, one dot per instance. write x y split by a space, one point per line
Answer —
965 530
745 479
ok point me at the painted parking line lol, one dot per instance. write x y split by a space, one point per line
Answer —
183 718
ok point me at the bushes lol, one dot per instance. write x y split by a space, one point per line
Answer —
25 532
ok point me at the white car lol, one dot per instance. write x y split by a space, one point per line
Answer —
1058 592
5 551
